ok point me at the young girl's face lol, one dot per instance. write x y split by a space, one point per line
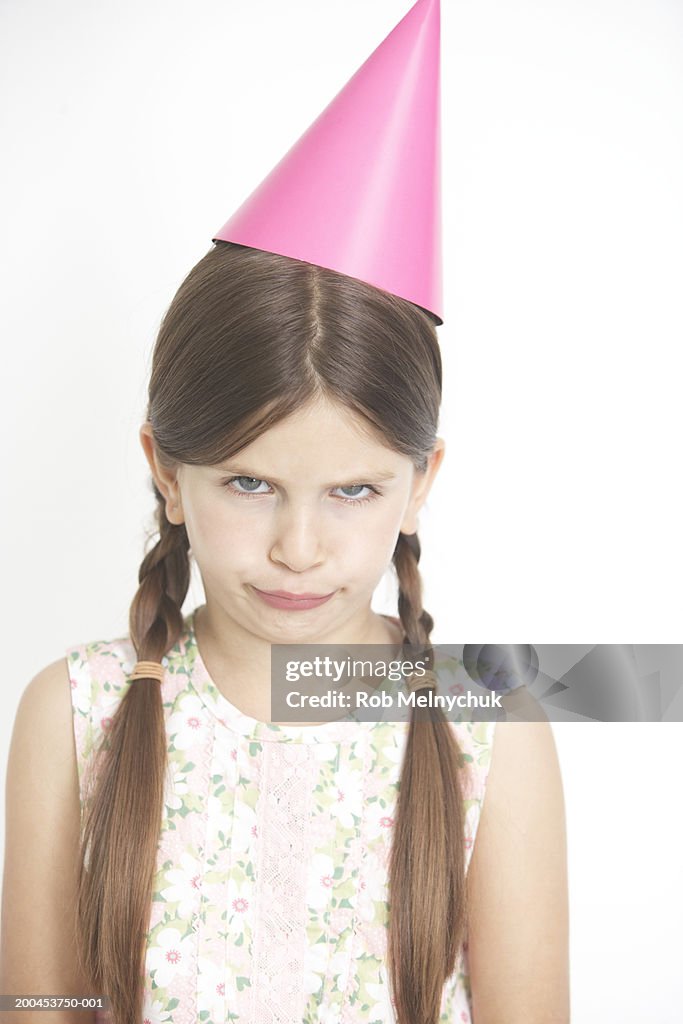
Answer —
313 506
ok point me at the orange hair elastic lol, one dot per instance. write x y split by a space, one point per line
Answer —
426 682
148 670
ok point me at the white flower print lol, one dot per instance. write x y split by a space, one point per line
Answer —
348 790
188 723
169 956
177 790
339 966
221 820
185 883
393 751
211 990
380 819
106 709
153 1011
315 965
320 881
240 897
242 824
81 697
382 1010
325 752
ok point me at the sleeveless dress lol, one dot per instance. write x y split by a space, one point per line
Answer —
270 899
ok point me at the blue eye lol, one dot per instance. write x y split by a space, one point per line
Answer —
250 491
249 479
358 487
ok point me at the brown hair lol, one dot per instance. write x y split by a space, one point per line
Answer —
249 338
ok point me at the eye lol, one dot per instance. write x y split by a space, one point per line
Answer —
374 493
250 490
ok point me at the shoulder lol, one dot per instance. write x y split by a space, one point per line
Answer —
524 799
524 755
44 711
42 782
517 882
42 753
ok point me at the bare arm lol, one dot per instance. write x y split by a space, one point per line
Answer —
37 948
519 933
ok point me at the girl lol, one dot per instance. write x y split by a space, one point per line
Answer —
190 859
234 869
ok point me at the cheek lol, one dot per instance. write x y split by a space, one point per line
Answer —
221 532
370 544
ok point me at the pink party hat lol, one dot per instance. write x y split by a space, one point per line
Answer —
360 191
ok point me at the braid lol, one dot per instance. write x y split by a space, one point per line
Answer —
155 618
417 623
122 818
428 910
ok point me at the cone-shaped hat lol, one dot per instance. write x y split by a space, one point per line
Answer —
360 191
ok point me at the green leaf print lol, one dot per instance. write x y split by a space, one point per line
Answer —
480 732
485 757
242 983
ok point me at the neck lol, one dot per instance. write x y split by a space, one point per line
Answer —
232 655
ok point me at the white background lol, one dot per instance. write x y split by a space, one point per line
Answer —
132 130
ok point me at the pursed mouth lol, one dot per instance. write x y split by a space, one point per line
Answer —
287 596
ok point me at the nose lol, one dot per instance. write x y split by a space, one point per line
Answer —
297 541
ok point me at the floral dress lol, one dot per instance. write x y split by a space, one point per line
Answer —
270 899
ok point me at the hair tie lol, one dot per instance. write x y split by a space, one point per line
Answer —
148 670
426 682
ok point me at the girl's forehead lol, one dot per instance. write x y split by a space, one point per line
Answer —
323 410
318 443
322 432
326 420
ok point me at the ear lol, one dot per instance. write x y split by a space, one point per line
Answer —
422 484
166 481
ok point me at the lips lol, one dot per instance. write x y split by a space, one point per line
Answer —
294 597
289 601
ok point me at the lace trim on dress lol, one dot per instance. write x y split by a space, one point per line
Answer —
280 941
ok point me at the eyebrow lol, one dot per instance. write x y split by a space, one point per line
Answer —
235 470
